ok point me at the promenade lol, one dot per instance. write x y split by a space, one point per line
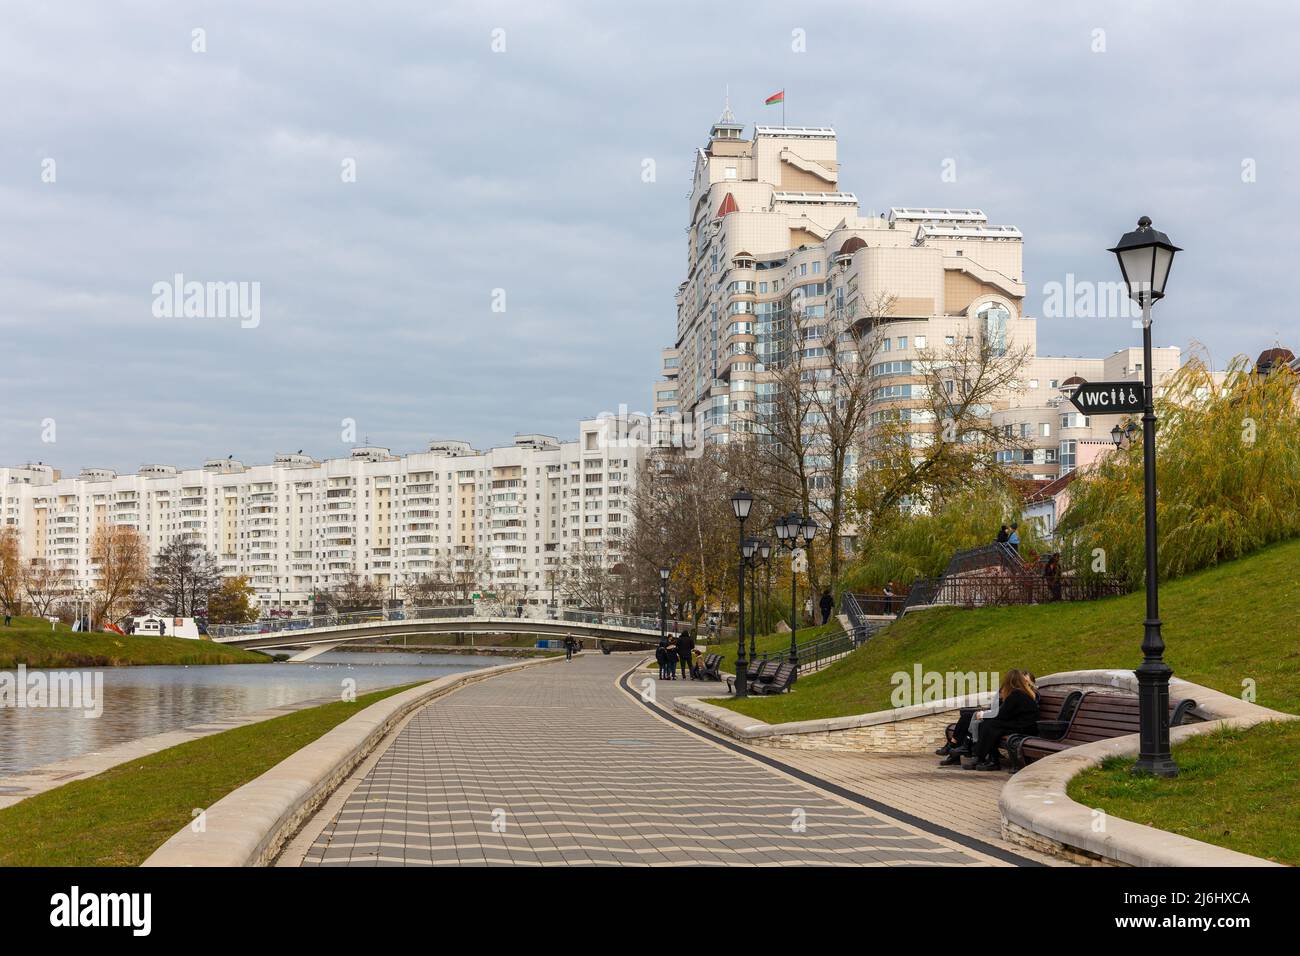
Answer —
559 764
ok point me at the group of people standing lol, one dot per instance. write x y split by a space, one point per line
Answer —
679 650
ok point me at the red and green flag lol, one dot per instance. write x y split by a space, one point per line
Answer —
775 98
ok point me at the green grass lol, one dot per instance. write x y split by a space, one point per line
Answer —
767 643
119 817
1224 625
1235 789
31 641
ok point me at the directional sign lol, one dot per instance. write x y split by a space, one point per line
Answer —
1108 398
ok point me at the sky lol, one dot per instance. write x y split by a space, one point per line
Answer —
442 211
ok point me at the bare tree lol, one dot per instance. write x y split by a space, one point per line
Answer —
917 454
353 593
816 419
12 572
184 575
121 560
46 584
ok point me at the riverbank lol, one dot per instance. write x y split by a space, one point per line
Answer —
32 641
119 817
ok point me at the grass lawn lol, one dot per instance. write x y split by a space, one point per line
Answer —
31 641
767 643
1224 625
119 817
1235 788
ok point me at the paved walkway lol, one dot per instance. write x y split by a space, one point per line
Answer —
559 765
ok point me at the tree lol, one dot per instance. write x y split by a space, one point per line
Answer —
1228 467
586 579
354 593
12 572
233 602
918 454
120 558
184 575
46 584
815 424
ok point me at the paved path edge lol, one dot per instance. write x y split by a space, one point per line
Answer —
249 825
769 759
1037 812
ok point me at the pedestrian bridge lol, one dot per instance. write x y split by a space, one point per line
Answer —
324 632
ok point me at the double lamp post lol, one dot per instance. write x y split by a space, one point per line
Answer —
792 531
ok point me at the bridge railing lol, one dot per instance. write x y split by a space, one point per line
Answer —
441 612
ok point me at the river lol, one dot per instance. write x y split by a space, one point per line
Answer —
142 701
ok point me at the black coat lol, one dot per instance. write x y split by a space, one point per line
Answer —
684 643
1018 714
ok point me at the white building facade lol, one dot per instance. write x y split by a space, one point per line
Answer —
509 516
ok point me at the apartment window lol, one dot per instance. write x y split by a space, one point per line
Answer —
817 268
1033 383
949 340
1051 383
885 345
902 342
731 172
920 341
1045 429
803 268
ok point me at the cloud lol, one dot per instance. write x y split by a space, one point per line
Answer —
521 171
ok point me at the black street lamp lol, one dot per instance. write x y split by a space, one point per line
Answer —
1145 257
750 550
792 533
765 555
741 502
663 602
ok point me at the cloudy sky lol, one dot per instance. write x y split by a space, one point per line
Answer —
481 169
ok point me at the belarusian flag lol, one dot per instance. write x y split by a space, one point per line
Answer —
775 98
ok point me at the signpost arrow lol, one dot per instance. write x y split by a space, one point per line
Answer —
1108 398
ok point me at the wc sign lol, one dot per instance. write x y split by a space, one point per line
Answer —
1108 398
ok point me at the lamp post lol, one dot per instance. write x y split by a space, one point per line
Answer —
741 502
750 550
765 554
1145 257
792 532
663 602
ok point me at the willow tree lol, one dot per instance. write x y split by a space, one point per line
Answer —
1228 473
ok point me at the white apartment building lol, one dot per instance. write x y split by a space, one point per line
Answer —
772 234
510 515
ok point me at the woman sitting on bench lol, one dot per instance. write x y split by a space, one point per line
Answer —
1017 714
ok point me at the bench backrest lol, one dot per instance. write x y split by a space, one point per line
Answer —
1058 705
784 674
768 670
1102 716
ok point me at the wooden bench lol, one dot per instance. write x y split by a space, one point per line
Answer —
1055 708
780 682
712 667
758 672
1097 717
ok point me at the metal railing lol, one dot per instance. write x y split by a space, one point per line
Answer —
443 612
815 653
994 588
863 604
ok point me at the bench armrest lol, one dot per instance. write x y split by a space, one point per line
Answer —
1053 729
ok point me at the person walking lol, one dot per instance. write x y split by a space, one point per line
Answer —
1052 575
661 655
1013 539
685 644
826 604
1004 534
569 645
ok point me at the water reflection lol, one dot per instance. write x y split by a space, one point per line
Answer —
140 701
